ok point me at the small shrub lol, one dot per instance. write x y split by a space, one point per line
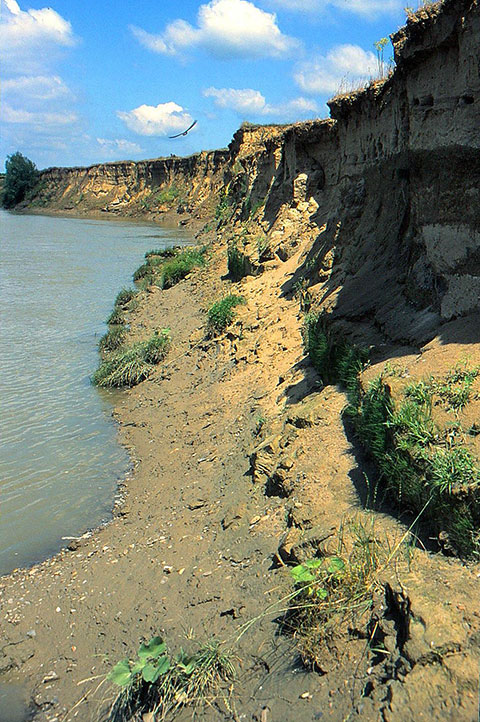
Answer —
180 266
112 340
162 252
223 209
134 364
221 314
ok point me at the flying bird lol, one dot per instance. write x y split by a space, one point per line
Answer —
184 132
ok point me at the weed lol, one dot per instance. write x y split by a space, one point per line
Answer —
176 268
221 314
237 263
333 592
421 464
263 248
336 360
168 195
124 297
116 318
260 422
134 364
223 209
158 684
162 252
112 340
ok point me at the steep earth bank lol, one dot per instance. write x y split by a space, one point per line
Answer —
373 218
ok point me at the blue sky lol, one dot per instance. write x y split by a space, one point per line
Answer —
93 81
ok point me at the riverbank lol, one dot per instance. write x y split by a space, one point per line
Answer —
196 549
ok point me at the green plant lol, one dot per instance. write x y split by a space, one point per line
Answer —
260 422
162 252
237 263
336 360
334 593
157 683
221 314
168 195
116 318
422 465
129 366
112 340
263 248
124 297
223 209
20 178
174 269
379 46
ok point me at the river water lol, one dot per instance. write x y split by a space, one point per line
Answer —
59 458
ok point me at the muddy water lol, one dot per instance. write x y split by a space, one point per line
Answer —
59 458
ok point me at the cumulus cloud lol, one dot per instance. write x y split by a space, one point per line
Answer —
225 28
249 102
116 146
28 38
342 67
367 8
162 119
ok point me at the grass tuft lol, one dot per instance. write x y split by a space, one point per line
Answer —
237 262
157 684
112 340
180 266
221 313
129 366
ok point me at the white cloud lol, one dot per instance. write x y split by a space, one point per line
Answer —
342 67
25 117
28 38
249 102
368 8
162 119
36 87
118 145
225 28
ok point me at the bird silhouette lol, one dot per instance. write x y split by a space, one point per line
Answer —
184 132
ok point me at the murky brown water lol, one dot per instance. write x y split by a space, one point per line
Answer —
59 458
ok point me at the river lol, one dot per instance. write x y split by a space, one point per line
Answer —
59 459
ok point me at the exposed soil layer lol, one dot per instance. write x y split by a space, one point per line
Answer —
197 547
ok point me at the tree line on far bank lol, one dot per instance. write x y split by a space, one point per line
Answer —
21 175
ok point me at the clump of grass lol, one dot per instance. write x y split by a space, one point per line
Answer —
117 317
112 340
334 593
422 465
237 262
162 252
127 367
336 360
176 268
124 297
159 684
221 313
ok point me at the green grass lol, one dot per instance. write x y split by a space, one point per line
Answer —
162 252
124 297
116 318
221 313
237 262
422 465
336 360
159 684
112 340
129 366
174 269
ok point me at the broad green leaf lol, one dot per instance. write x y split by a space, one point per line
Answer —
301 574
321 593
138 666
150 672
335 565
187 668
152 649
121 673
312 563
163 665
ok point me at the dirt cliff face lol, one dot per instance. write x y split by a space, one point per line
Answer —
388 189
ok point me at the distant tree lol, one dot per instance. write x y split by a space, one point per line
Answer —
21 175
